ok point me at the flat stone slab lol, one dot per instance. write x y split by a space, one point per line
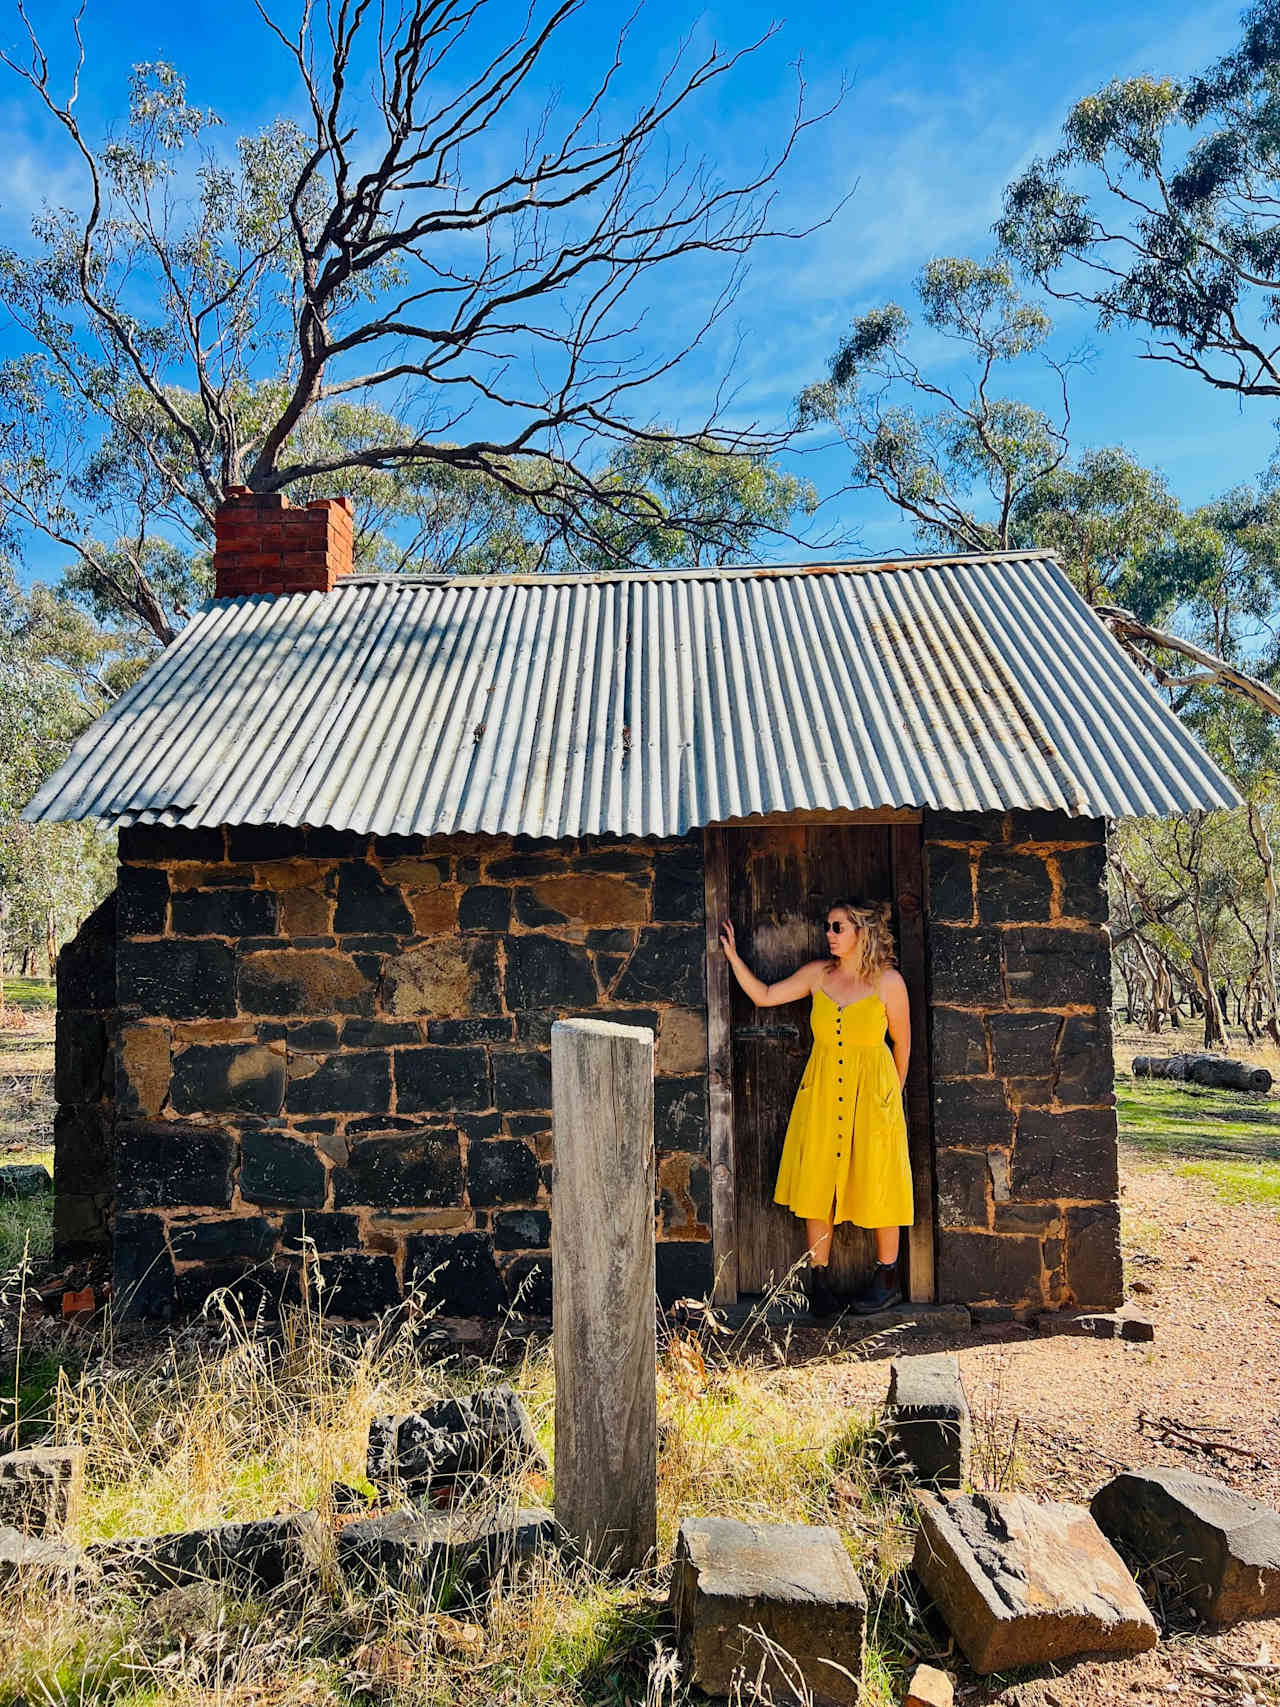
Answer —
1020 1583
484 1433
25 1179
40 1488
261 1554
414 1549
927 1418
25 1556
1222 1547
793 1582
1126 1323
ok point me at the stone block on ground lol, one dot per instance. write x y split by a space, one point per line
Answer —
25 1179
1127 1323
929 1687
793 1582
1021 1583
261 1554
927 1418
413 1550
24 1557
1220 1548
484 1433
40 1488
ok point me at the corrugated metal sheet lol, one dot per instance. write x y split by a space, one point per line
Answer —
639 704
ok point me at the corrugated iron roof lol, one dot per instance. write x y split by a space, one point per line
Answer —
639 704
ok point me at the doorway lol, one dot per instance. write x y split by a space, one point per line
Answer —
775 880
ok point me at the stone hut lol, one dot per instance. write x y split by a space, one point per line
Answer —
377 833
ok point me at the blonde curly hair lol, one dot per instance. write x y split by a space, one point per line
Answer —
875 950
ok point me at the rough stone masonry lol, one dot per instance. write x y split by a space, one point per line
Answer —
269 1035
1024 1122
323 1037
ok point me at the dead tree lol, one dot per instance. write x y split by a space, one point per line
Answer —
382 250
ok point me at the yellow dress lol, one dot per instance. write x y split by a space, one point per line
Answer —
846 1140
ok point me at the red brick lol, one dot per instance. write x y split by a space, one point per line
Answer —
266 545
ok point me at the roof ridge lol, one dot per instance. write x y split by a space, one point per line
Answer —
716 572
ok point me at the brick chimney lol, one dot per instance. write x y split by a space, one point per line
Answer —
264 544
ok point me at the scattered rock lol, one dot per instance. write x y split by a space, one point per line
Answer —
25 1556
928 1420
485 1433
413 1549
1021 1583
1221 1547
25 1179
453 1636
387 1663
40 1488
1127 1323
260 1555
929 1687
180 1614
790 1583
346 1499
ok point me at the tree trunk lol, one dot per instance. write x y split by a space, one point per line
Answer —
1262 842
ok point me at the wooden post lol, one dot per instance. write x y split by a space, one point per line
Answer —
602 1290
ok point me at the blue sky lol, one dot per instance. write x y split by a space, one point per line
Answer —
945 102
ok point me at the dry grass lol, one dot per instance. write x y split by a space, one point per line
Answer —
235 1422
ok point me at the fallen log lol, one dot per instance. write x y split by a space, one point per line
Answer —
1220 1071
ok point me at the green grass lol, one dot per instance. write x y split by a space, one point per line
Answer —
30 993
1239 1182
1229 1139
26 1223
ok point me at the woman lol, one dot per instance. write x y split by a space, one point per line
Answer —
845 1155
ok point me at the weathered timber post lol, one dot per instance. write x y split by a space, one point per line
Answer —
602 1290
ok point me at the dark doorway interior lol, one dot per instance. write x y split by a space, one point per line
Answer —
780 882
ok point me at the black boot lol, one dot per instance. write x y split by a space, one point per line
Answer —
823 1302
881 1292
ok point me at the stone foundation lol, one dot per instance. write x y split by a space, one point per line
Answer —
1024 1116
345 1041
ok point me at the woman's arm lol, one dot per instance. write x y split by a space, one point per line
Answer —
897 1007
764 995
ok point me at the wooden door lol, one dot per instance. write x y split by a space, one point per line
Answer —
780 882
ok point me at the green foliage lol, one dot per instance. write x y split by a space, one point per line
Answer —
56 672
1159 211
1104 515
952 453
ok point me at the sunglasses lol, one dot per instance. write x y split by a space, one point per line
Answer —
837 928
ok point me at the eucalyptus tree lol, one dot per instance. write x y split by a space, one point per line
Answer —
1161 211
945 442
57 670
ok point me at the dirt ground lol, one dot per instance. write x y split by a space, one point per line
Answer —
1208 1275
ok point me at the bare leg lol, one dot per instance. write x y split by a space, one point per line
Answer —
886 1243
819 1237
